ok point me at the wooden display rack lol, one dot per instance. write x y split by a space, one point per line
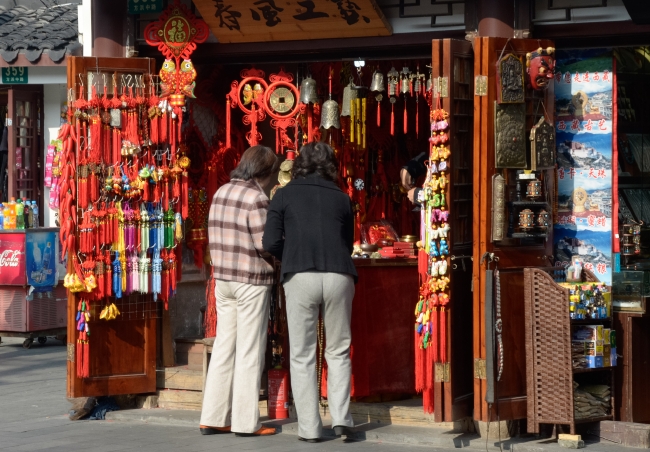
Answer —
549 370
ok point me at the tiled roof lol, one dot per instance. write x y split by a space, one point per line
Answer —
34 28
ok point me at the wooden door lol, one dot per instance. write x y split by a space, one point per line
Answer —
512 254
25 142
122 351
453 61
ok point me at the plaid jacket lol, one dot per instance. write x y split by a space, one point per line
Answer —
235 229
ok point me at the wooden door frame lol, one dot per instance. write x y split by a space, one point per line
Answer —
485 49
109 384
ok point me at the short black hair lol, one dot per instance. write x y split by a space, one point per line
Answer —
316 158
257 162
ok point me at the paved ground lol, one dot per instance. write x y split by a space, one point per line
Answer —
34 417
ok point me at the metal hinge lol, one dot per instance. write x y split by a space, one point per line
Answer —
479 368
441 86
71 351
441 372
480 85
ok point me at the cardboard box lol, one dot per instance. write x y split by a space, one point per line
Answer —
588 333
594 362
594 348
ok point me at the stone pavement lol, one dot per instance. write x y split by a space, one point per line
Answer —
34 417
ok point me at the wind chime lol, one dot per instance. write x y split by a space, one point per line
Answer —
433 265
123 189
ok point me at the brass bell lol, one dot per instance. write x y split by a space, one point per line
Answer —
308 91
349 94
404 86
393 80
377 83
329 115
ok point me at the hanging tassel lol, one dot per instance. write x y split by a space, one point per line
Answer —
94 187
406 126
378 114
443 335
392 119
184 195
419 362
417 118
228 145
434 335
210 321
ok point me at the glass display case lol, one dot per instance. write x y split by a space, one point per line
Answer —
630 289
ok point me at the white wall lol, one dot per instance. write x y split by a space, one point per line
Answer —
54 96
85 26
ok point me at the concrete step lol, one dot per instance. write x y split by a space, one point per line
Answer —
189 353
178 399
423 436
179 377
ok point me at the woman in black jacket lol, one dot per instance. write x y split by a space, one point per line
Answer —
310 228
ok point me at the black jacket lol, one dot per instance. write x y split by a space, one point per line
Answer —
310 227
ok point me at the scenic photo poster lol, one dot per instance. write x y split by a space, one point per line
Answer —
583 120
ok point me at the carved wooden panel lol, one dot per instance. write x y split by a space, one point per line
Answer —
510 135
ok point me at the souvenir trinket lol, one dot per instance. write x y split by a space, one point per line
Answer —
542 146
498 207
526 219
540 66
534 189
510 136
510 80
543 219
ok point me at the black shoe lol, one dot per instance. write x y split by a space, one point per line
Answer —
205 430
309 440
343 430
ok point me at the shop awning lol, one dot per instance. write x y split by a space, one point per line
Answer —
291 20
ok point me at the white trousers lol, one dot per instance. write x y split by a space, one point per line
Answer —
232 387
306 292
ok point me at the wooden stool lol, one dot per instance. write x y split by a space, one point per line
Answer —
208 342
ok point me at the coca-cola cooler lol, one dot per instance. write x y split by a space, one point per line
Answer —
33 303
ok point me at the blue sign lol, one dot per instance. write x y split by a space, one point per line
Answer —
41 253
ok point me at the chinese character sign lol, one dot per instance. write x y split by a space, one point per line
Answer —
583 120
282 20
15 75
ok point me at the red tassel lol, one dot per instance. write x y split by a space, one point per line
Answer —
145 190
434 335
96 139
423 264
86 358
406 125
427 400
184 195
417 120
419 362
176 188
443 335
157 190
94 187
165 194
163 127
378 115
78 357
392 119
210 322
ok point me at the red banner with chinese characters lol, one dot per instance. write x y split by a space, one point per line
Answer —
12 259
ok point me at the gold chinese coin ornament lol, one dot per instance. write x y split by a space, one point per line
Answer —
282 100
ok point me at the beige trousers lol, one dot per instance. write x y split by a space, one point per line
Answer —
232 387
307 293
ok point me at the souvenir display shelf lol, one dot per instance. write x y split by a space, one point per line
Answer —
549 370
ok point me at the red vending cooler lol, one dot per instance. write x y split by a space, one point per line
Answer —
33 304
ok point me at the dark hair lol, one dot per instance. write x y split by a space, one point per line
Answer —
316 158
256 162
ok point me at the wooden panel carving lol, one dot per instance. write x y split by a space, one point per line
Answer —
510 134
510 80
283 20
542 153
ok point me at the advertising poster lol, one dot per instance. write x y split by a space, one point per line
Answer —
41 256
583 120
12 259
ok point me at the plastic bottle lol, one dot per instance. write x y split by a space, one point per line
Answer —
26 213
34 213
20 214
5 215
2 216
45 265
10 215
